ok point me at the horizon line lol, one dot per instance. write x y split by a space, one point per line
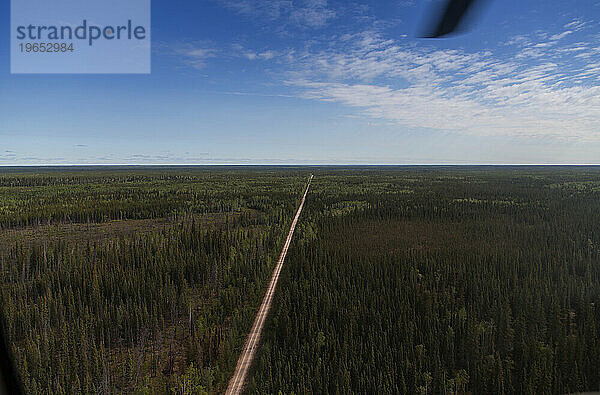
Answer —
291 164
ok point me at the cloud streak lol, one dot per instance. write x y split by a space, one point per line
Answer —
533 93
300 13
195 55
542 85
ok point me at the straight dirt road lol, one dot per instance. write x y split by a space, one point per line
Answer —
236 384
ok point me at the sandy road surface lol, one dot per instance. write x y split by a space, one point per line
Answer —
236 384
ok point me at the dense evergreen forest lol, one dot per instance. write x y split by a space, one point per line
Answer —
440 281
398 280
143 309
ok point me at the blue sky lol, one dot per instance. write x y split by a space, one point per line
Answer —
323 82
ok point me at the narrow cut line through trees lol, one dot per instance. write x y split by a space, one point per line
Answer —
236 384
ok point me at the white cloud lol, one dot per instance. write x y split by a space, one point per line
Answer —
195 55
545 84
241 51
558 36
313 14
303 13
576 25
267 55
544 94
267 9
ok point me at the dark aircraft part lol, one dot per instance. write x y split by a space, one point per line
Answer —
9 379
453 18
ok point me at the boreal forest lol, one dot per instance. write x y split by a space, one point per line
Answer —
411 280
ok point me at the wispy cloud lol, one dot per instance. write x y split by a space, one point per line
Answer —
8 156
303 13
239 50
543 84
268 9
543 94
194 55
314 13
577 24
558 36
